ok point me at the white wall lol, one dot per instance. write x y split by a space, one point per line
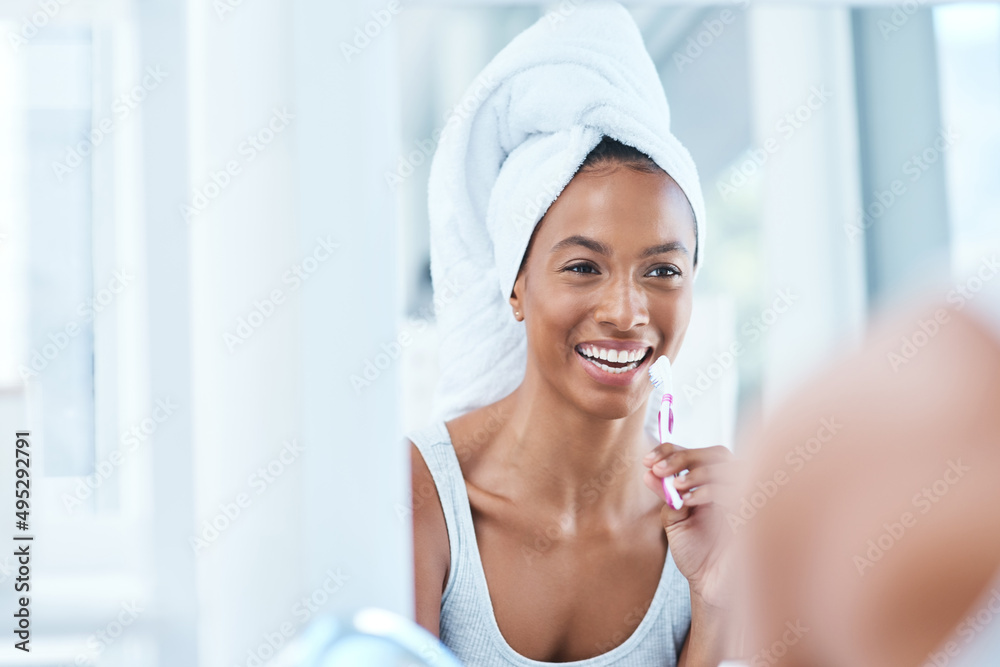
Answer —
811 186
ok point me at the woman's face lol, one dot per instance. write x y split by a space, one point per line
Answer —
607 287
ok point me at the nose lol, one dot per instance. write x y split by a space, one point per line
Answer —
623 304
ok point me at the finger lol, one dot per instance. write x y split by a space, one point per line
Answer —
726 474
654 484
660 452
703 495
690 459
670 516
693 478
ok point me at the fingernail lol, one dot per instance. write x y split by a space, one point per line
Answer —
660 467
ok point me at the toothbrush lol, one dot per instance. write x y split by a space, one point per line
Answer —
663 379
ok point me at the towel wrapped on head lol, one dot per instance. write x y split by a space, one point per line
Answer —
517 138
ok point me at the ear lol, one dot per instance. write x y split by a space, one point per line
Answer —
515 299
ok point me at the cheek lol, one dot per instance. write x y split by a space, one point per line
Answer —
672 316
553 316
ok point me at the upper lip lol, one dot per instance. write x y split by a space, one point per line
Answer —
609 344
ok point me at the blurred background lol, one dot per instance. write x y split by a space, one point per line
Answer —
215 308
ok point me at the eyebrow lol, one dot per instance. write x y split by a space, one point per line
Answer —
601 249
577 240
665 247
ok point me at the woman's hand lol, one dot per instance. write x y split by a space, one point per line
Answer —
698 535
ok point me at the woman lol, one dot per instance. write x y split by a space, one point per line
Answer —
534 542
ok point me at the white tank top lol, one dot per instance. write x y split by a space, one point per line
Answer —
468 625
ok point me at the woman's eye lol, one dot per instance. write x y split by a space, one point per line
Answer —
583 267
664 272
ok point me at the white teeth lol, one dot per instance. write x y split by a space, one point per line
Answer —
615 371
632 357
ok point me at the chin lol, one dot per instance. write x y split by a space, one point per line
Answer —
613 407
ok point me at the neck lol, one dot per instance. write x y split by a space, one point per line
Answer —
552 454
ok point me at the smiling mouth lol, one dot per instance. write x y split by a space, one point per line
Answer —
623 360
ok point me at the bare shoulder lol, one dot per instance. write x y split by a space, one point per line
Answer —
431 555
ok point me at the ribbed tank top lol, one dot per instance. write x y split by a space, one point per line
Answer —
468 624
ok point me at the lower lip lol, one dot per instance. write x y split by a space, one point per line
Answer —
614 379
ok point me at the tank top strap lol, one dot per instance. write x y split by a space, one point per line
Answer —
434 444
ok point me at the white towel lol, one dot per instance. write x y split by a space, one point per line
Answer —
510 146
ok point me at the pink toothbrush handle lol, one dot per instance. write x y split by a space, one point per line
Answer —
669 492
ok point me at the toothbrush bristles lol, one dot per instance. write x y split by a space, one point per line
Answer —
660 375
